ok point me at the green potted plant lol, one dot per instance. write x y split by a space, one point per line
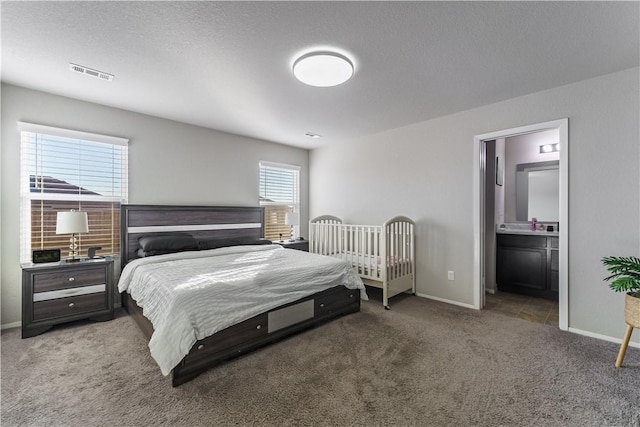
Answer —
625 274
625 277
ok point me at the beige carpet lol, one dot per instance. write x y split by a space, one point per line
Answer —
422 363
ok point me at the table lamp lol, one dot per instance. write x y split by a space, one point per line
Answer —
72 222
292 218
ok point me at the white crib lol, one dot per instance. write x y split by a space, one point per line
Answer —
383 255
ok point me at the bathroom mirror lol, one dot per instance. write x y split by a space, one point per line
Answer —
538 191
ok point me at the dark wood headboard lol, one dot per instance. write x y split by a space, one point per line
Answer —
202 222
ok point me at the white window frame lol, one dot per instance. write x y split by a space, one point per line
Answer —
295 204
26 196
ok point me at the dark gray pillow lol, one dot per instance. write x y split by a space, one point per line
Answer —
233 241
167 243
142 254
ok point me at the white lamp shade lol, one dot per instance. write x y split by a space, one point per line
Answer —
292 218
72 222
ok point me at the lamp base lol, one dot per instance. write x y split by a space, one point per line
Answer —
71 260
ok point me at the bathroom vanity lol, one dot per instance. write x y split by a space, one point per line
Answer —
527 262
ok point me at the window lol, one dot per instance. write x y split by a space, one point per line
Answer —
64 170
279 194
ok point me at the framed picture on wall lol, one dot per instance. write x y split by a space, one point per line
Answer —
499 171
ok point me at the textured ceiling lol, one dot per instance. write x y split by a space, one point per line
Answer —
227 65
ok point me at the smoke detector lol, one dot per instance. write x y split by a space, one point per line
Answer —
90 72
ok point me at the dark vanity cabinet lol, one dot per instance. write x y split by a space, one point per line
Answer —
528 264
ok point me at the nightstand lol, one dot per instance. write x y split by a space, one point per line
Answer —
300 245
60 292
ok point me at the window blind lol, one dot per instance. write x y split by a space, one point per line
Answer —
279 194
60 172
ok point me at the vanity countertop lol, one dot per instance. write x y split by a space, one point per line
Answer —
527 232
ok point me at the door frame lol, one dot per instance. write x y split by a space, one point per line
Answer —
479 178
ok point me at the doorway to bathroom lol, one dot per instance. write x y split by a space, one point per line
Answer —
503 167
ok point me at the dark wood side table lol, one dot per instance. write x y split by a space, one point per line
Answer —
60 292
300 245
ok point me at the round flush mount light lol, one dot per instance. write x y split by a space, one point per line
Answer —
323 69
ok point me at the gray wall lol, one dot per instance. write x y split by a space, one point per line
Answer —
425 171
169 163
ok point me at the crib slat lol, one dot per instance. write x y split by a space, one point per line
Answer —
397 255
404 247
401 254
335 238
362 248
367 250
351 249
387 233
376 253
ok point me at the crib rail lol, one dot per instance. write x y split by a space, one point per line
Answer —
361 245
383 256
381 253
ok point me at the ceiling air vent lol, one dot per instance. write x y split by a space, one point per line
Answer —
90 72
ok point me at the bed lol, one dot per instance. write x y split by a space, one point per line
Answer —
200 304
383 255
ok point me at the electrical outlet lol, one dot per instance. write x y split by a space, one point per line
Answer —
450 275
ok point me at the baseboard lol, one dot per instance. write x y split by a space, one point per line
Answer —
572 330
11 325
460 304
603 337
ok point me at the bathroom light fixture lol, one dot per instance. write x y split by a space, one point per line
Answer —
549 148
323 69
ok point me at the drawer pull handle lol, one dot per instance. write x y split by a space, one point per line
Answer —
322 305
71 279
350 295
71 305
201 346
259 327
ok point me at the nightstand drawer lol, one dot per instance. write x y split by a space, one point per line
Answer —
70 306
70 292
62 279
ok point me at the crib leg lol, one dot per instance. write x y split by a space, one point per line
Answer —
385 297
386 307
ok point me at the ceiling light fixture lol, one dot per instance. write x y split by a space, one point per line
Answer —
323 69
549 148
